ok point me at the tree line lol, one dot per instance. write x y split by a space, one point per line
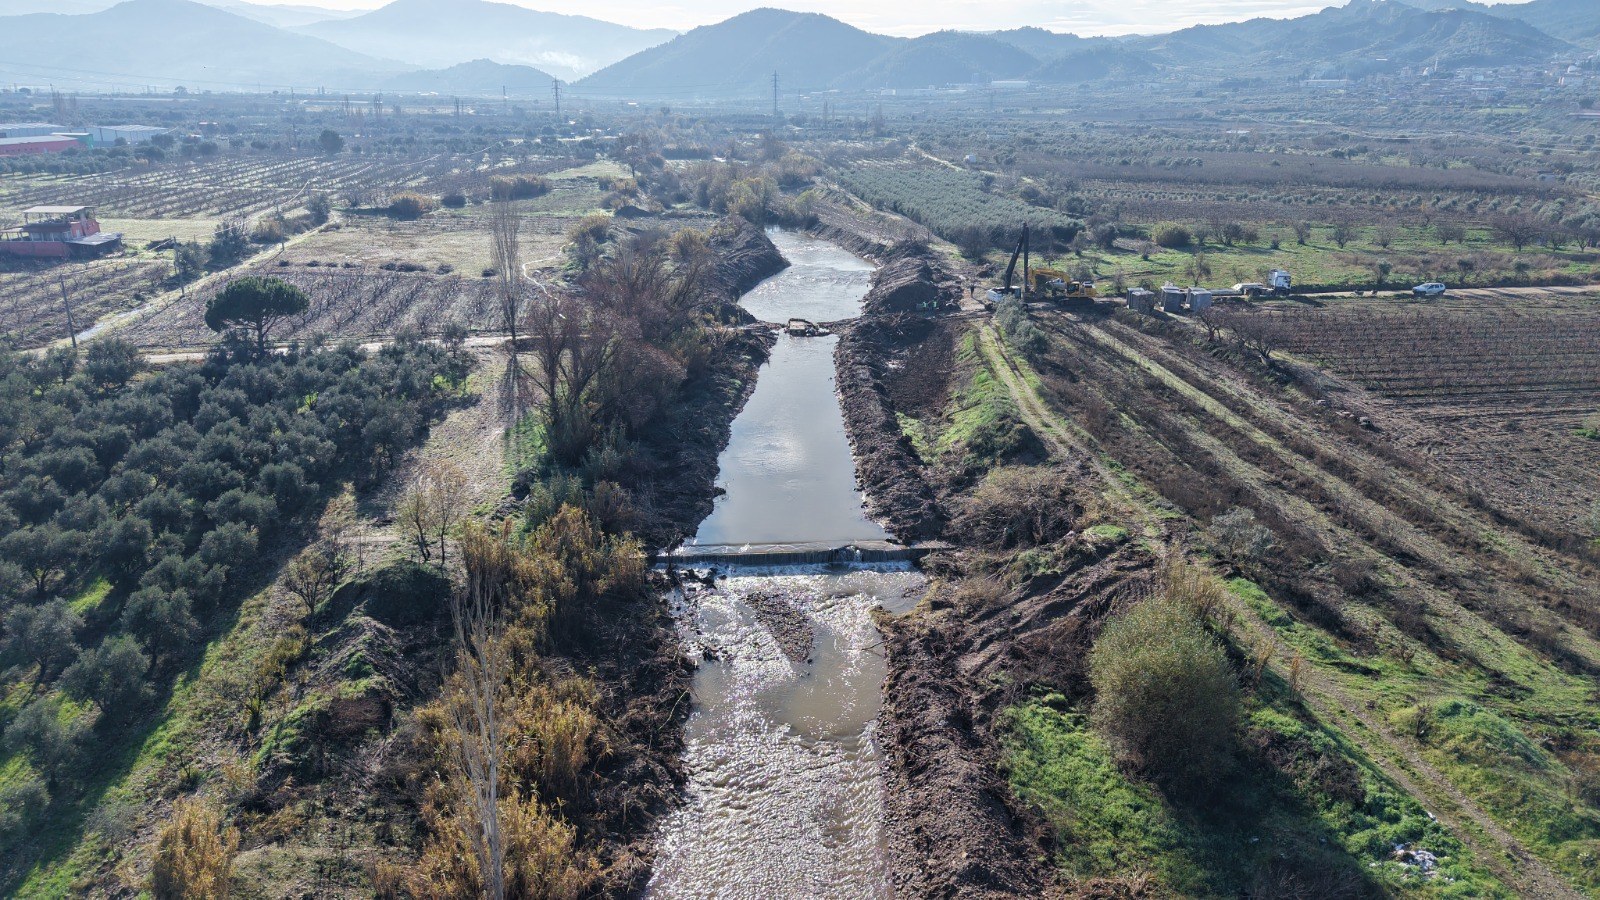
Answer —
132 503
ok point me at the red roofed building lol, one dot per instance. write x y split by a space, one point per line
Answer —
58 232
44 143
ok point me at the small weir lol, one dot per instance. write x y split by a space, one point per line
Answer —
785 792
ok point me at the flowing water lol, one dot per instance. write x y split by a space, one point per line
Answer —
785 794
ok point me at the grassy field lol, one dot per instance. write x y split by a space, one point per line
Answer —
1414 255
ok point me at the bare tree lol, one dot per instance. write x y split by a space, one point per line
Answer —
317 571
506 259
433 504
1517 229
483 663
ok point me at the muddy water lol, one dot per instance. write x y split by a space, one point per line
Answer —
787 472
785 793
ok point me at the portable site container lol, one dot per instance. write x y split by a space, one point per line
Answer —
1141 300
1199 299
1172 298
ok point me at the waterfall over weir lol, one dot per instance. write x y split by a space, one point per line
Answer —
785 793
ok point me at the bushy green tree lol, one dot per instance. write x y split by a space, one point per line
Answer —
111 676
45 635
258 304
1165 697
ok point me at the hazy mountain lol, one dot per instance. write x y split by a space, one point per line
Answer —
1577 21
1096 61
944 57
439 33
738 56
282 15
1362 37
1042 44
479 78
171 42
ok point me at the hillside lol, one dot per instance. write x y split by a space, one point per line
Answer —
1573 20
1093 63
481 77
439 33
1042 44
173 42
944 57
1365 36
739 56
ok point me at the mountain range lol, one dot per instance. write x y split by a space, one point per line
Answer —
437 33
815 52
479 47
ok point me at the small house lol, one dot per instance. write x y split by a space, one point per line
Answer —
58 232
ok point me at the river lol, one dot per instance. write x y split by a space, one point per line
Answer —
785 790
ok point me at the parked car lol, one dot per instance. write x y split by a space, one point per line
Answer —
1431 289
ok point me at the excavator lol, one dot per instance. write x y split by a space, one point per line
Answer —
1042 282
1054 285
995 295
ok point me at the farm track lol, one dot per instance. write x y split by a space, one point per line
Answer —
1210 425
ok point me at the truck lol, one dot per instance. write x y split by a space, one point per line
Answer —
1281 282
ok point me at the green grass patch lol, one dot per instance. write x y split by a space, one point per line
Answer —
90 598
1322 815
984 426
1484 733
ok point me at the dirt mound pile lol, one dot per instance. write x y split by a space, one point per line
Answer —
913 281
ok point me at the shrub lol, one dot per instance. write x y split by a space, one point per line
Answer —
1172 236
20 800
1023 506
1019 331
1165 699
410 205
1239 536
518 187
454 200
399 595
194 854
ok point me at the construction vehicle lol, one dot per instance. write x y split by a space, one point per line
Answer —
995 295
1054 284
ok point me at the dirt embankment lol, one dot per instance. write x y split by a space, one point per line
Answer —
954 828
744 257
898 487
898 490
680 452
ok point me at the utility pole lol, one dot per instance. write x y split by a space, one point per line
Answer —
774 95
555 86
66 301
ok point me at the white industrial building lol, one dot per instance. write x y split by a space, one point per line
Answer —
29 129
107 135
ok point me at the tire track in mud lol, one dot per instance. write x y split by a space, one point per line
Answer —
1401 763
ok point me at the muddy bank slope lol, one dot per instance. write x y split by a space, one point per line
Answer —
899 492
954 827
743 257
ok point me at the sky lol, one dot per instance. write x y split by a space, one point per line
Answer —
1083 17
